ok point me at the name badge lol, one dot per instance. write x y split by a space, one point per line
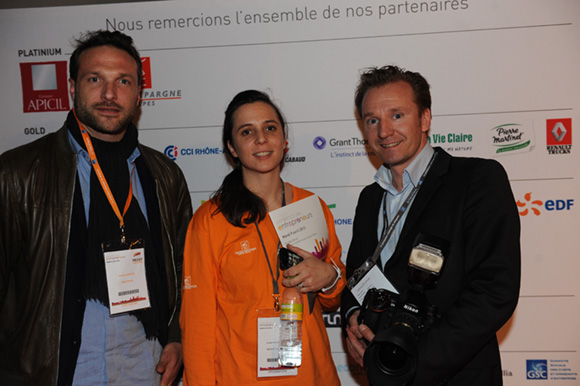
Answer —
268 345
126 280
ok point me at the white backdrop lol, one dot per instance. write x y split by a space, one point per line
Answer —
502 73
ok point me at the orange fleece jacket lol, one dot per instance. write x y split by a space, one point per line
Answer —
226 279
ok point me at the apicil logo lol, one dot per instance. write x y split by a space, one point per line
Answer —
319 143
171 152
44 87
536 369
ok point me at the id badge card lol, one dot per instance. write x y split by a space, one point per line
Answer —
367 277
268 345
126 280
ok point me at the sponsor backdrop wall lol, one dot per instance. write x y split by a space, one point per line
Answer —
504 77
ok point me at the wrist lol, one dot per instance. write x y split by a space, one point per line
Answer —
338 276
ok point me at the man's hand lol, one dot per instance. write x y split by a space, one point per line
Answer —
357 337
170 363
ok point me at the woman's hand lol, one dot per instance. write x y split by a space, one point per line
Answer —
311 274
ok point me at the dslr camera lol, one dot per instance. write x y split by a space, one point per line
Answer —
398 320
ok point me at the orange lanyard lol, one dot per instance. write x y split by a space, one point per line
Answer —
103 180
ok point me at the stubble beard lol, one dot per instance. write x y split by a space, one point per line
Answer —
107 126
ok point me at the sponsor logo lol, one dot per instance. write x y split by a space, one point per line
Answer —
319 143
146 72
331 319
452 142
149 95
173 152
344 148
536 207
246 248
559 136
295 159
44 87
536 369
511 138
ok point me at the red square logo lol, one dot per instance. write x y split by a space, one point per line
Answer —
44 86
146 75
559 131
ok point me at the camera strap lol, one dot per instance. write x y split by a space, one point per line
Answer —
391 228
355 283
275 287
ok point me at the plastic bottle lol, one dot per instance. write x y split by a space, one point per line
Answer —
290 350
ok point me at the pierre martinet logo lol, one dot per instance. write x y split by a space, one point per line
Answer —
44 86
536 369
559 135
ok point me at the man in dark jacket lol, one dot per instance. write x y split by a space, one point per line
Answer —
465 207
75 206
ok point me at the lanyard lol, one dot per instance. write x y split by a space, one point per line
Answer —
387 235
103 180
276 289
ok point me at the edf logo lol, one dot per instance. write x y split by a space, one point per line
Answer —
536 369
530 205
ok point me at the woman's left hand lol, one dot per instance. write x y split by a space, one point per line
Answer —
310 275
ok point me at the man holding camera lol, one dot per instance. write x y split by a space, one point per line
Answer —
466 205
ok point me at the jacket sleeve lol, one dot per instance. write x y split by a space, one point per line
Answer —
330 300
487 243
199 304
182 215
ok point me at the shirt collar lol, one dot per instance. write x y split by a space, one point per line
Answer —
78 149
412 173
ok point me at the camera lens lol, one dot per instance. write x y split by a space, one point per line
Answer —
393 359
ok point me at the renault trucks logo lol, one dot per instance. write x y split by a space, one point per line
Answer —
536 369
44 87
559 136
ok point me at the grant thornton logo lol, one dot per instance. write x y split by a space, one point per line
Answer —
319 143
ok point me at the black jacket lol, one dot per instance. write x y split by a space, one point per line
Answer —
468 202
37 183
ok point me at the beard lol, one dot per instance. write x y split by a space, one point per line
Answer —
104 125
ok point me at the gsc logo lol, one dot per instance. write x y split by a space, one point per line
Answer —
536 369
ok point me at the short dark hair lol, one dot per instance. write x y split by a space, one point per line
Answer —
380 76
100 38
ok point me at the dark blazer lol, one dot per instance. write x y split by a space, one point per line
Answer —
469 202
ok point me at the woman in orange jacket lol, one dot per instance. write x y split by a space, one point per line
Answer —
230 270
